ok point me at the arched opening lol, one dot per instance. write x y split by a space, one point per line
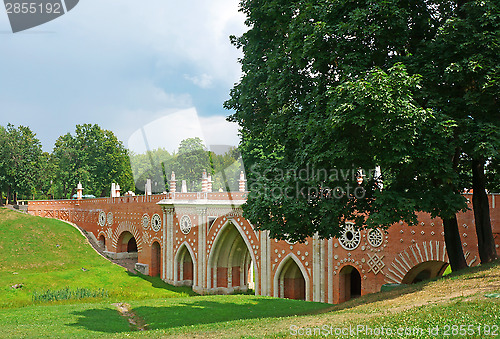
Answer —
155 259
425 271
127 243
132 245
231 264
350 283
292 284
126 246
355 284
185 272
102 241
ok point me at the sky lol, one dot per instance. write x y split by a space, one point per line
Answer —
153 72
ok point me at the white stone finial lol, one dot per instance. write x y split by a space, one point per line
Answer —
204 181
79 191
242 182
173 182
209 183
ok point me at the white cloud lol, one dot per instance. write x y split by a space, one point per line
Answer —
121 64
203 81
195 32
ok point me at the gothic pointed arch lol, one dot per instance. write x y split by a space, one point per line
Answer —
185 265
291 279
230 259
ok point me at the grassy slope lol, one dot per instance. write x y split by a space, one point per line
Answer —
46 253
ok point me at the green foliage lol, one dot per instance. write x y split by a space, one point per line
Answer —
493 174
191 160
94 157
20 162
188 163
342 87
151 165
462 81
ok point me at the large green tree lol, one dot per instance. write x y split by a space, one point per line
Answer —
3 164
152 165
461 78
188 164
315 71
94 157
191 160
20 162
226 169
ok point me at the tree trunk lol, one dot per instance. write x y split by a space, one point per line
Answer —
1 198
454 244
485 240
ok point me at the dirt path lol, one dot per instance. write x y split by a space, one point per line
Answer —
136 323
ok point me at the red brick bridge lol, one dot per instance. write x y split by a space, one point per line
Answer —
201 240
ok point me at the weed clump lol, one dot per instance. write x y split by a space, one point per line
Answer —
67 293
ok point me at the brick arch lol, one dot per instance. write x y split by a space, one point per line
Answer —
215 249
181 247
347 286
412 256
127 226
215 230
278 272
103 234
155 266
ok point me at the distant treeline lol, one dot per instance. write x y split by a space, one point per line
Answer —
188 163
96 158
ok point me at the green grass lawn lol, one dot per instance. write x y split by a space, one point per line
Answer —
50 254
163 316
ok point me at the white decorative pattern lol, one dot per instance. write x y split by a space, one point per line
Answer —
185 224
375 237
110 219
350 237
156 222
102 218
109 233
288 241
145 238
376 264
145 221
